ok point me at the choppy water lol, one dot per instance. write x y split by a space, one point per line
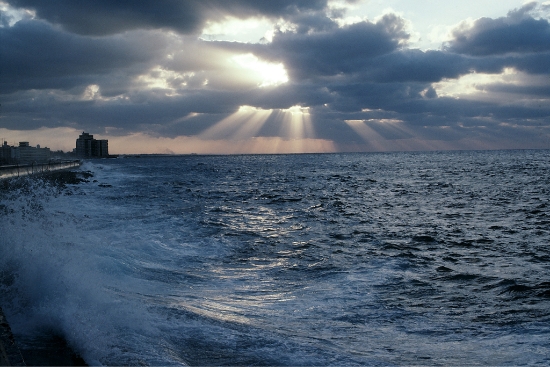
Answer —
338 259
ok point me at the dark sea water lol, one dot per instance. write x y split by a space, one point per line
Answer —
296 260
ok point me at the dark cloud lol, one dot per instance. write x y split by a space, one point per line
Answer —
526 90
518 32
413 65
132 115
308 22
103 17
416 66
56 71
532 63
36 55
338 50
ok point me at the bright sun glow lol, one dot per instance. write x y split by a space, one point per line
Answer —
231 29
297 110
267 74
231 26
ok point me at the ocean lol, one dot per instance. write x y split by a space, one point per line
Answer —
436 258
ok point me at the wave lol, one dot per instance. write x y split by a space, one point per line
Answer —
61 276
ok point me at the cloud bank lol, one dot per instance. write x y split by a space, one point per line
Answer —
121 69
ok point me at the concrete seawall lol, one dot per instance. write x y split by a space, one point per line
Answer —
54 352
9 353
33 169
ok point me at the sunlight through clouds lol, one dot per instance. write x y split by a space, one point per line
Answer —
374 133
267 74
91 92
296 129
245 123
369 135
296 123
13 15
167 80
470 85
382 75
237 30
505 87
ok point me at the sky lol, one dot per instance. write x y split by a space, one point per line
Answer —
285 76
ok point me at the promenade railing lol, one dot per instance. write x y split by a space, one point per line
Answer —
19 170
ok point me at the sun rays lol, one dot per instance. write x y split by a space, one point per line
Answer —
367 134
384 135
248 121
290 131
297 123
243 124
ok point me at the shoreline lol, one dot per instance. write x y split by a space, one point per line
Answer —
45 349
15 171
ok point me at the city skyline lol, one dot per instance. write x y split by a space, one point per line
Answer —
289 76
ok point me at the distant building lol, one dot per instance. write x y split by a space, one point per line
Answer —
100 148
7 154
23 154
84 145
88 147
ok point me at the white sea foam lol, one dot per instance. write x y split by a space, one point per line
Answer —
285 260
59 276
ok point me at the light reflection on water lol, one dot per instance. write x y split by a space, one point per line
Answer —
421 258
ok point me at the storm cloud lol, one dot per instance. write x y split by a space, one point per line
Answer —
518 32
103 17
119 68
338 50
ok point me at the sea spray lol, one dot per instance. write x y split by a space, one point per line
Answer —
56 278
337 259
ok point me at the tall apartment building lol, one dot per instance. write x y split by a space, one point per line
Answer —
100 148
84 145
88 147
